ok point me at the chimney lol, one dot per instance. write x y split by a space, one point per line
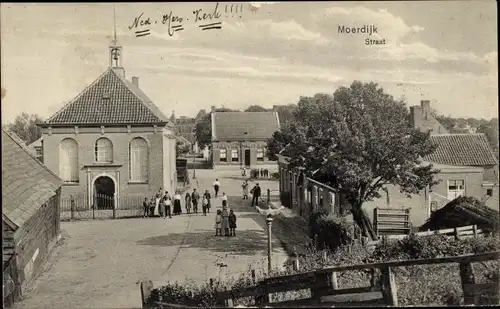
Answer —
135 81
212 109
416 120
426 108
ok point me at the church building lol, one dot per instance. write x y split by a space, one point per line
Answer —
111 145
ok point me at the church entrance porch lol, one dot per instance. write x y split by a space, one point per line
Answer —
104 193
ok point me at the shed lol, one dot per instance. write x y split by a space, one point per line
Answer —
30 215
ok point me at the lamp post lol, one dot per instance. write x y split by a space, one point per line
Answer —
269 221
194 166
241 151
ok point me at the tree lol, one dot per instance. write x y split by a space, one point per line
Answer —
203 128
181 149
25 127
256 108
285 113
357 141
490 129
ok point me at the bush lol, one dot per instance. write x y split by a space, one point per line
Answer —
417 285
332 231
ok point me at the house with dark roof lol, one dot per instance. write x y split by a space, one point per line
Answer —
240 138
111 145
30 215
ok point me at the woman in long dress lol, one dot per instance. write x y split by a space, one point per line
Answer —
187 200
244 186
225 221
177 204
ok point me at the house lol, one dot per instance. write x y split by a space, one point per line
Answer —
184 127
111 145
240 138
466 162
36 149
30 215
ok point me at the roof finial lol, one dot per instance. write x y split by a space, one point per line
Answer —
114 24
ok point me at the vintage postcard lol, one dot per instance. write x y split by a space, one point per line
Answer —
249 154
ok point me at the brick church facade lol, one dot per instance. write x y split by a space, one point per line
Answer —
112 141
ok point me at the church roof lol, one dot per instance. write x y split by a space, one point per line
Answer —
111 99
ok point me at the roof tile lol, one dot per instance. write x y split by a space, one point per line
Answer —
233 125
111 99
462 150
26 182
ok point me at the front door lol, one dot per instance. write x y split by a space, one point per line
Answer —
247 157
104 193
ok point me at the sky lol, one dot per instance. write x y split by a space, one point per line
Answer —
442 51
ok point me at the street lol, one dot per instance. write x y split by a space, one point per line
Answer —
100 263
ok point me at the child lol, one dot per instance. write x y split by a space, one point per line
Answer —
224 199
204 205
218 223
232 223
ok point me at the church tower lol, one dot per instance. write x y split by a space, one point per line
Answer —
115 51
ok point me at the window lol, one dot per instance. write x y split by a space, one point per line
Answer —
138 160
38 151
103 150
234 155
68 160
260 154
223 155
456 188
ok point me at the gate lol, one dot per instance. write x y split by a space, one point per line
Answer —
103 201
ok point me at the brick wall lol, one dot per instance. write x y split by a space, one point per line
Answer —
161 175
230 145
34 238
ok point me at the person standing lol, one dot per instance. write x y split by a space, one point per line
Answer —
232 223
168 205
152 203
187 200
177 204
195 196
216 187
244 187
145 205
255 195
218 223
204 205
225 221
224 199
209 198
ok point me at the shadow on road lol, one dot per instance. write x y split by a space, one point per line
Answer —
248 242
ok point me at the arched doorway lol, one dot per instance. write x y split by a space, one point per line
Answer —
104 193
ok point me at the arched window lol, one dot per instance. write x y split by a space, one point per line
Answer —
68 160
138 160
103 150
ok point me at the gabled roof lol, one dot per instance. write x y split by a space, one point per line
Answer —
462 150
233 125
111 99
26 183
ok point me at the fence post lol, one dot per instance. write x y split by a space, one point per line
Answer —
114 206
268 196
72 202
333 281
146 288
253 276
474 230
390 289
457 235
375 225
467 279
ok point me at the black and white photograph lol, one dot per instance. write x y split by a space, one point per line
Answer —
250 154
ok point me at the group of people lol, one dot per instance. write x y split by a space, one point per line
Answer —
258 173
256 192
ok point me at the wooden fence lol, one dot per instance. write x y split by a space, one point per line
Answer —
458 232
325 290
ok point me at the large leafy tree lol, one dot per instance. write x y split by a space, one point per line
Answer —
203 128
256 108
357 141
25 127
490 129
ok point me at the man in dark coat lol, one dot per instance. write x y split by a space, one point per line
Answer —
255 195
